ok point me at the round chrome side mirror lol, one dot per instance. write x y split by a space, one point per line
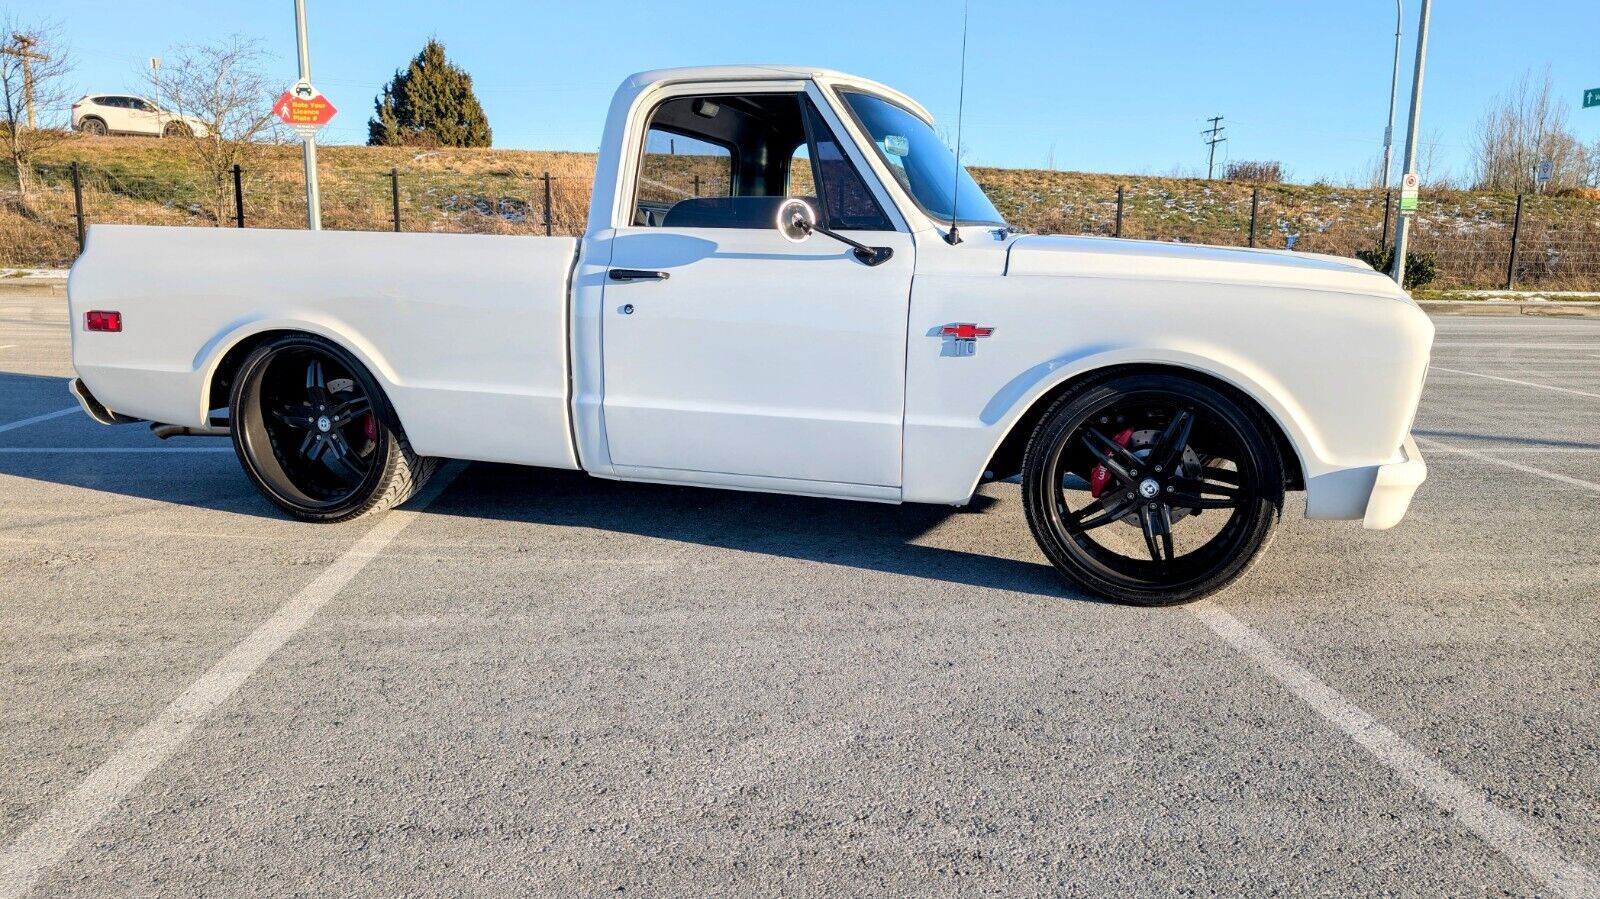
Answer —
796 219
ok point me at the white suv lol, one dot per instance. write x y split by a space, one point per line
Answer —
102 114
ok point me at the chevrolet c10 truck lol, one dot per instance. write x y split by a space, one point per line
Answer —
787 284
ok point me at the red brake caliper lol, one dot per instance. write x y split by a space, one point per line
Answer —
369 426
1100 477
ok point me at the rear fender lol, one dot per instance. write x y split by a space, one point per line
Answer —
209 359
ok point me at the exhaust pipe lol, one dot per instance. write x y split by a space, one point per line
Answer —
217 428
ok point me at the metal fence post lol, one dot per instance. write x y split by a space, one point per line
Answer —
1516 231
1383 237
77 199
1118 232
549 223
238 194
394 197
1255 207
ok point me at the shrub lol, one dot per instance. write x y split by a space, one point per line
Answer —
1421 268
1255 172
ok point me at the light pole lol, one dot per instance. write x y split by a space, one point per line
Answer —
313 198
1394 94
1402 229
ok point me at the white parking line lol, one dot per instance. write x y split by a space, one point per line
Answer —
1434 446
38 418
79 450
49 839
1522 843
1474 374
7 346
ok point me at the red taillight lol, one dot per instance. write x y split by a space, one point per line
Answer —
102 321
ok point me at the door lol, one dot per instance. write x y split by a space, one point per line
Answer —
142 117
728 349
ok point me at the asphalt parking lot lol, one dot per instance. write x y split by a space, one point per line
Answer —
539 683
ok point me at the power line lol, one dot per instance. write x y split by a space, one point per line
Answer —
1213 137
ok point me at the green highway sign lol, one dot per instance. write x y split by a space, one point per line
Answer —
1591 97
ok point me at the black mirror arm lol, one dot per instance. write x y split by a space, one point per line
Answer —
867 255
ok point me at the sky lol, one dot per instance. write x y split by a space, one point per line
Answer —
1105 87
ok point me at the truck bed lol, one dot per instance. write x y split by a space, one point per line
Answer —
467 333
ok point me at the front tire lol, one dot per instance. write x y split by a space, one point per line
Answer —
1151 489
316 434
176 129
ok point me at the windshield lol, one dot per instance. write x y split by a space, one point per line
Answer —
920 161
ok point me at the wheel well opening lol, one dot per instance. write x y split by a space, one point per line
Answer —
222 379
1007 459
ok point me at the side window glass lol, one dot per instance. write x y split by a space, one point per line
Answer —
676 167
844 200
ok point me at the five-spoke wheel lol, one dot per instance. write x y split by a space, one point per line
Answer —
316 434
1151 489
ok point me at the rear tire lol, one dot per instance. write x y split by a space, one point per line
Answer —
316 435
93 127
1185 463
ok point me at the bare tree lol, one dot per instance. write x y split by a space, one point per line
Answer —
221 85
1521 128
34 64
1431 172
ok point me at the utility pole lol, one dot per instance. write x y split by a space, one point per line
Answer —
313 196
1213 138
24 51
1402 230
1394 94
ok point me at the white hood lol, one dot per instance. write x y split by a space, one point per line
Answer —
1152 260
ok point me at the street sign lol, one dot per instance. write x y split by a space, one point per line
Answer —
1591 97
1409 186
304 109
1543 173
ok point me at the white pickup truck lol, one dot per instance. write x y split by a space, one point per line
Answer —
787 284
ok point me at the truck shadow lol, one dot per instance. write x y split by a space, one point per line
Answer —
869 536
71 450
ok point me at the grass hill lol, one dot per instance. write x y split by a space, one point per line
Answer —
149 180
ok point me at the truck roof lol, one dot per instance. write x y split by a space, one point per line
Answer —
643 81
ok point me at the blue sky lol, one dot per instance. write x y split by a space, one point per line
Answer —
1114 87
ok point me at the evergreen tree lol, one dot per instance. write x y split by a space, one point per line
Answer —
429 104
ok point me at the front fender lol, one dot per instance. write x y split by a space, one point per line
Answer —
1339 373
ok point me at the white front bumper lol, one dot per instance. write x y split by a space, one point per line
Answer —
1396 483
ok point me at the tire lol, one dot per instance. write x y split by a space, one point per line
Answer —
1186 464
176 129
93 127
316 434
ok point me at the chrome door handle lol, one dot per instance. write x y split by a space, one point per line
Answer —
636 274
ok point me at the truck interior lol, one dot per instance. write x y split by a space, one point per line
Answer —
730 161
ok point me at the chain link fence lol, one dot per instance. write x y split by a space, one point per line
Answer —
1478 241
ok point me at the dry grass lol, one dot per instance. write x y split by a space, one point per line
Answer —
502 191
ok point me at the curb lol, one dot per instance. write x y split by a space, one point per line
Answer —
1572 309
33 287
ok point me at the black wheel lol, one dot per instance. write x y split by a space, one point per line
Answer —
1151 489
175 129
93 127
316 434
